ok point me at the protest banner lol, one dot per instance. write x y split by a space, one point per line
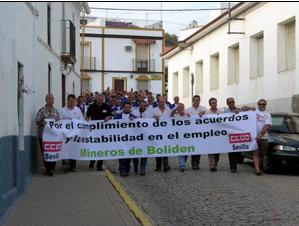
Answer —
115 139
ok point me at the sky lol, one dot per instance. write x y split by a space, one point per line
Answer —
172 21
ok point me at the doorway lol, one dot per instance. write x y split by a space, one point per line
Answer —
119 84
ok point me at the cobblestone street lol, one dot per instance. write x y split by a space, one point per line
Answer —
214 198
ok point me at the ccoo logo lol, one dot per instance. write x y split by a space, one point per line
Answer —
52 146
239 138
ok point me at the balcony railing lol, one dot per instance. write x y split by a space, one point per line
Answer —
68 53
89 63
143 65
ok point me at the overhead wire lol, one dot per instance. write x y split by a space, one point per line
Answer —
158 10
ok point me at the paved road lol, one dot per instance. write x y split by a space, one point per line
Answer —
85 198
214 198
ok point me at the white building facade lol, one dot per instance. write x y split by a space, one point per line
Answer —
39 53
258 59
122 57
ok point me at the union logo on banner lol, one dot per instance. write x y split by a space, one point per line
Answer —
239 138
52 146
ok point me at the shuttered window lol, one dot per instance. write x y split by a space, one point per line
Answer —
286 45
290 45
186 82
198 77
260 55
175 84
233 64
142 52
214 71
257 55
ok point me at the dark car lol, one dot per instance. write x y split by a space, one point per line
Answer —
283 142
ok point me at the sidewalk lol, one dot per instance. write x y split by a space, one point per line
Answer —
81 198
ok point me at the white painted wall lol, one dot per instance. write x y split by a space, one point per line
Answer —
116 58
276 87
24 39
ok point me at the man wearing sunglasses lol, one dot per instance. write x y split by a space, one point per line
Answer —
264 122
232 156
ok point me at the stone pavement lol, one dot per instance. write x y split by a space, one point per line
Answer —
83 198
214 198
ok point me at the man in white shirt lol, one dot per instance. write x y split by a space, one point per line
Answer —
213 158
142 112
179 112
196 110
264 122
161 112
70 111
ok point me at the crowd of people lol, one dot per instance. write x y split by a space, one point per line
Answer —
142 104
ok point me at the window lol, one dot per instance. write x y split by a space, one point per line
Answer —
198 77
49 78
233 64
142 58
49 23
186 82
175 84
214 71
20 106
286 45
257 55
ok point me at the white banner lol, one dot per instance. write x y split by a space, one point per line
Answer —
115 139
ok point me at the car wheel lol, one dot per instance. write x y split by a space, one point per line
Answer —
268 165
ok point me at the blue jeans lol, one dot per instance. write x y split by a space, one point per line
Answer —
182 161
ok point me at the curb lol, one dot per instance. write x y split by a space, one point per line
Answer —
134 208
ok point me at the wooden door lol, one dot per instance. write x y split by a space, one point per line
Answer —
119 85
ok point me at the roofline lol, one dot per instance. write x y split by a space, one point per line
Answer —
206 29
124 28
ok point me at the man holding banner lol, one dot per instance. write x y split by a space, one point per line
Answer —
142 112
196 110
124 164
70 111
179 112
98 111
46 112
161 112
213 158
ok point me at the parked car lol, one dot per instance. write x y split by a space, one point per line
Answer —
283 142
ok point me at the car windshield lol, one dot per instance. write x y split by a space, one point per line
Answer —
285 124
279 123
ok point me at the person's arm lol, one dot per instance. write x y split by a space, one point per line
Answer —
173 112
81 114
247 108
107 118
263 131
88 114
156 117
40 118
201 113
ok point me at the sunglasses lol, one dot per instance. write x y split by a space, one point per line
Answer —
231 102
264 104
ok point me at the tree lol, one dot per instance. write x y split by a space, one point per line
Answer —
192 24
170 39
